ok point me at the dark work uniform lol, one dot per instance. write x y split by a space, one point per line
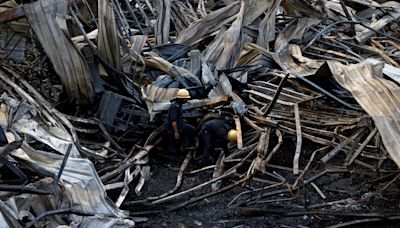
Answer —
185 130
214 134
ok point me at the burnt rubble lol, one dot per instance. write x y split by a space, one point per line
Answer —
86 85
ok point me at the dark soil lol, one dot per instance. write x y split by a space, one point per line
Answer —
214 211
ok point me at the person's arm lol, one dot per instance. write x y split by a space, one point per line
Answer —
175 128
173 118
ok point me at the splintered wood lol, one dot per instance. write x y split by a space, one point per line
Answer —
311 87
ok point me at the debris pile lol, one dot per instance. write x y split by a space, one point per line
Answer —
86 86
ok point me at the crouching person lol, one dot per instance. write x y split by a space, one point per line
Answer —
215 133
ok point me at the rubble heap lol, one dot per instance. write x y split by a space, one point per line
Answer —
86 85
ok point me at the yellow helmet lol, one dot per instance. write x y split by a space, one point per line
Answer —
232 135
183 94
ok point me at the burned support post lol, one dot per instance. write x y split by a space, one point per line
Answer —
239 131
338 148
363 145
275 98
298 141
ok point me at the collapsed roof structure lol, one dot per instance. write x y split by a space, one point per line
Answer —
85 85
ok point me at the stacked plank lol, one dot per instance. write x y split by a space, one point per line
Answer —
314 85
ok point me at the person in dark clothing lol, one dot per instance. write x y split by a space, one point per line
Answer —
216 133
177 129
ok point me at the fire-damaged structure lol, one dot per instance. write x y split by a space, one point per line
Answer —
86 85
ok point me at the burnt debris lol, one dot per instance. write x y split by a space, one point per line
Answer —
312 88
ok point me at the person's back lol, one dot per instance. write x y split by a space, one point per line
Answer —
214 134
218 128
175 114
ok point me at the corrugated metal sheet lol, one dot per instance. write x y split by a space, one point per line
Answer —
389 70
379 97
108 42
83 188
68 63
22 120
